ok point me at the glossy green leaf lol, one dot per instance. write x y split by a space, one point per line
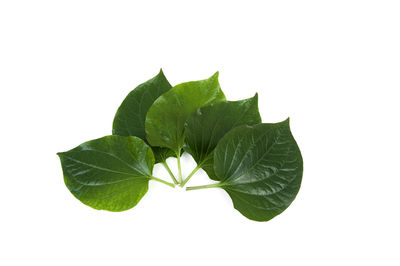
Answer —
111 173
260 167
130 117
205 127
166 117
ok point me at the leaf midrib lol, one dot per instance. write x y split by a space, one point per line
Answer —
232 188
108 183
261 158
106 169
139 169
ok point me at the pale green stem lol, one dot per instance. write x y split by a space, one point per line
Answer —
170 172
161 181
190 175
205 186
178 157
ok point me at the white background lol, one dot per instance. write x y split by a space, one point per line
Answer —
332 66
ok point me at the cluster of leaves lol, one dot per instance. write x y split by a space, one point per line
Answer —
259 165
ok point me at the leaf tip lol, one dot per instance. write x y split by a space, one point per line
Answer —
215 76
255 97
161 73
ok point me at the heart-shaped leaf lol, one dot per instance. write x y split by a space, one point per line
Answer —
260 167
130 117
166 117
111 173
205 127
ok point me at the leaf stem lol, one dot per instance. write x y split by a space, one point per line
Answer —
162 181
170 172
205 186
178 157
190 175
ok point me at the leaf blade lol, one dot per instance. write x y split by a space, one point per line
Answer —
110 173
261 169
129 119
166 117
205 127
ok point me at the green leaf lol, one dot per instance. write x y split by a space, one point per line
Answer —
166 117
205 127
111 173
260 167
162 154
130 117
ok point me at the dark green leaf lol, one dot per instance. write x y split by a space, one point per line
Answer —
111 173
162 154
205 127
166 117
130 117
260 167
